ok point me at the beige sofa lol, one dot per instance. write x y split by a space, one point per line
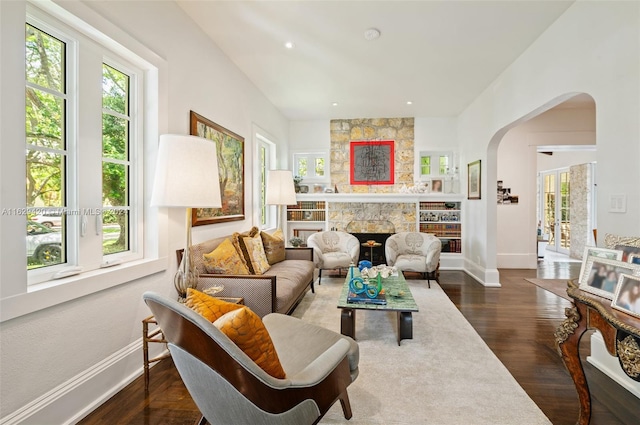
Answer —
279 290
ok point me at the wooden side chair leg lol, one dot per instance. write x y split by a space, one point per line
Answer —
346 405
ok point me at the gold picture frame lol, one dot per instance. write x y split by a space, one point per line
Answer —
230 152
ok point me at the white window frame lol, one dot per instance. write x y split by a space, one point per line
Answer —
311 157
435 163
136 198
17 298
264 140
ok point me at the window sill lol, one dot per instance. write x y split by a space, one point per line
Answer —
48 294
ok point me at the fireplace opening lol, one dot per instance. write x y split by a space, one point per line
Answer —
372 230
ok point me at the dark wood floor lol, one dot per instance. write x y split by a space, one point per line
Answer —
516 321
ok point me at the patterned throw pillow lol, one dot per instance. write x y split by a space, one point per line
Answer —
273 246
255 254
247 331
211 308
225 257
236 240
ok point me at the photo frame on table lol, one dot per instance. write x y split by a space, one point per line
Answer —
230 152
593 251
474 180
633 259
601 276
437 185
372 162
628 245
627 296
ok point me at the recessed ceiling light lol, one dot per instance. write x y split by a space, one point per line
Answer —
371 34
409 102
289 45
335 103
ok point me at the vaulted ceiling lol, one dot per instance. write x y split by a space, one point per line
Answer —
439 55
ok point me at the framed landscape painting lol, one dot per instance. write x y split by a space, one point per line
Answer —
230 152
474 180
372 162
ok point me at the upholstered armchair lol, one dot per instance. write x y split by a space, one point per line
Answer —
415 252
230 388
333 250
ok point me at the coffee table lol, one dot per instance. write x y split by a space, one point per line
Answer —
404 305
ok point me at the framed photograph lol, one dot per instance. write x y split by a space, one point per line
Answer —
601 276
473 180
436 185
628 245
372 162
230 151
627 296
592 251
634 259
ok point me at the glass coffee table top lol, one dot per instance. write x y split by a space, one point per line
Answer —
397 293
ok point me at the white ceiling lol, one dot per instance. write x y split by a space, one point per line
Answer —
438 54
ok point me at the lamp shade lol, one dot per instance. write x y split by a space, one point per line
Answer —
186 173
280 188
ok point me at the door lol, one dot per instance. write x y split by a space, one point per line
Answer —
555 222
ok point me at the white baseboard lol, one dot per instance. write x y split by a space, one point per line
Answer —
610 365
74 399
487 277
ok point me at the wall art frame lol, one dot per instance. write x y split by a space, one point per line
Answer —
230 152
372 162
474 180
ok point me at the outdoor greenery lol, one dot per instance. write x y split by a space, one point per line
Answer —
46 144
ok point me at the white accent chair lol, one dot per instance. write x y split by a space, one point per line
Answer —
333 250
415 252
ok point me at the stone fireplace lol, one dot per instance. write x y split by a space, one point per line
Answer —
372 221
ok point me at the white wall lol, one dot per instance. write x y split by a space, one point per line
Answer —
592 48
517 168
430 133
54 351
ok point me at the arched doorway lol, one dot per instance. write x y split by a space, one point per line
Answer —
512 226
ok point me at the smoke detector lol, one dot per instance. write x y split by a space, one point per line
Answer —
371 34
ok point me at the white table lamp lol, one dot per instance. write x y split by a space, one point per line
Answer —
186 177
280 190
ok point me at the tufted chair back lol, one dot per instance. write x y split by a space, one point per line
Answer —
414 251
333 250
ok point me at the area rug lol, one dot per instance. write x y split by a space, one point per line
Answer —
555 286
445 375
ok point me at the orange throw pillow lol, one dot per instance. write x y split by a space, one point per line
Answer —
247 331
210 307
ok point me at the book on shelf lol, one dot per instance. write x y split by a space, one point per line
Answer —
362 298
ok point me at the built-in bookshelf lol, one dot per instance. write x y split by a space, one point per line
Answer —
307 211
439 214
443 219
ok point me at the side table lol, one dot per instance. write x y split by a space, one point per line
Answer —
620 331
155 335
371 246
